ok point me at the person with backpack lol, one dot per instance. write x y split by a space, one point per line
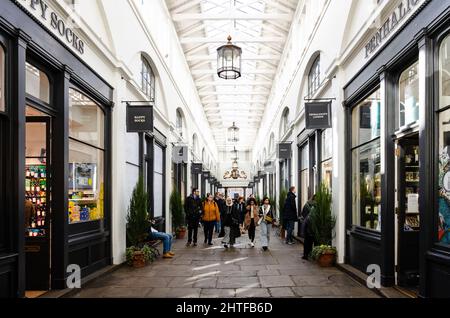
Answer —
290 215
210 216
306 226
193 211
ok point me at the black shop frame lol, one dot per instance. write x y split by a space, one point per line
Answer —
24 39
147 144
420 37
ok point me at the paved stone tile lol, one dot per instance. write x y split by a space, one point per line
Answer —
206 271
149 282
174 293
306 280
217 293
126 292
237 282
315 291
252 292
281 292
206 282
245 273
276 281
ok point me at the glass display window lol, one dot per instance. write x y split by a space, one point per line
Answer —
2 79
366 163
86 159
37 83
408 106
444 73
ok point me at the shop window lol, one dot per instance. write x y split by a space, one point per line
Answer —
366 164
86 159
158 181
444 73
327 154
366 120
148 80
408 107
444 144
2 79
304 174
37 83
314 77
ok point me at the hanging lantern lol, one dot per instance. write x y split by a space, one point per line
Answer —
233 133
229 61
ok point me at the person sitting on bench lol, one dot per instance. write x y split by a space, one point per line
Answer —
165 238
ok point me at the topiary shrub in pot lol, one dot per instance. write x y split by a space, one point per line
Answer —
322 225
138 226
178 217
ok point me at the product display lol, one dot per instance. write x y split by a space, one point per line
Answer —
36 200
411 197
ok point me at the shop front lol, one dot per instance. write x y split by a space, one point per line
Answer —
55 160
397 117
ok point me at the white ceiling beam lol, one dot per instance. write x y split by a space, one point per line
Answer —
280 6
263 39
231 16
252 93
213 71
245 57
186 6
241 101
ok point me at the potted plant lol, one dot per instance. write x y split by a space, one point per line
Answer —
178 218
281 202
322 225
325 255
137 253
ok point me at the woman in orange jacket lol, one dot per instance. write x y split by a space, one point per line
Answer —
210 216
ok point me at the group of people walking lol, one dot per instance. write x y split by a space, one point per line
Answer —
230 218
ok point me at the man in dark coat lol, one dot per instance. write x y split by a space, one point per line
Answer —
290 215
306 226
222 205
193 210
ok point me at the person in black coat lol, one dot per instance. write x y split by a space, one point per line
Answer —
230 223
306 226
290 215
193 210
241 210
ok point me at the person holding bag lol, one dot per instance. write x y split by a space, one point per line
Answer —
266 216
251 220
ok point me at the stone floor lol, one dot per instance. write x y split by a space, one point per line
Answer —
212 272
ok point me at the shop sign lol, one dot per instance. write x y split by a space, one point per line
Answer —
256 179
402 12
284 151
206 174
63 29
269 167
140 118
196 168
318 115
251 185
180 154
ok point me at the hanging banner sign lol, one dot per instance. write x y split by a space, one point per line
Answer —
180 154
206 174
284 151
270 167
318 115
140 118
251 185
196 168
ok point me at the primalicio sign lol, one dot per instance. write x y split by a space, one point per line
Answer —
41 10
402 11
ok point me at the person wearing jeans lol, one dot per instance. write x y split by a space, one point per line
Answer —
266 218
167 242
